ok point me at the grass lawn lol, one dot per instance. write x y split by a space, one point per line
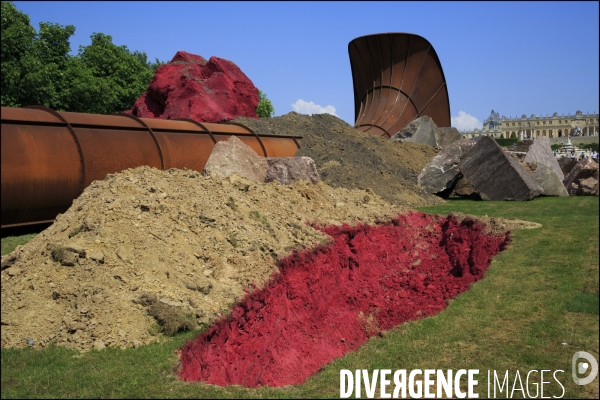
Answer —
9 243
536 307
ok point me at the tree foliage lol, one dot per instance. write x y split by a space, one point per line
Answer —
102 78
265 108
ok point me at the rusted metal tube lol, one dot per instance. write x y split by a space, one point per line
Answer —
397 77
50 157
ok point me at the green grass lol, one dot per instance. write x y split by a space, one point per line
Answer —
536 295
11 242
583 302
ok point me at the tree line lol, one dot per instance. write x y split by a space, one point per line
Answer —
102 78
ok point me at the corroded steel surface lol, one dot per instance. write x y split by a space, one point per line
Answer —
50 157
397 77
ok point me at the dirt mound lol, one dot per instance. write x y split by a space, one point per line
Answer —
327 302
497 226
352 159
148 241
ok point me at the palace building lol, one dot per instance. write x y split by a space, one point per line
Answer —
533 127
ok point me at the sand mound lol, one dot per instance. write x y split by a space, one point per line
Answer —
349 158
175 240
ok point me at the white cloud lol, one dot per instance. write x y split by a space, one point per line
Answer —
308 107
465 121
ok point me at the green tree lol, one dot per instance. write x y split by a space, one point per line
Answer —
117 76
17 41
513 135
45 67
102 78
264 109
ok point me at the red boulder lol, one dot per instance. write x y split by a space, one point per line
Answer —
205 91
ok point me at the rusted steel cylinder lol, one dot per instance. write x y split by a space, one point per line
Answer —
397 77
50 157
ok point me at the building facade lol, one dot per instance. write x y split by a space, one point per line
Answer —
533 127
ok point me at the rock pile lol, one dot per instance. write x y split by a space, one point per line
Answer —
234 157
583 179
480 167
149 241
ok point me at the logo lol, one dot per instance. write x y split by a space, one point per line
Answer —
582 367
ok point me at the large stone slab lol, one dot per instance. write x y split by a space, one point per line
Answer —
234 157
442 171
421 130
495 175
448 135
540 152
287 170
549 181
583 179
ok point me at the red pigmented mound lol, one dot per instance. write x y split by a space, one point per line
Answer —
205 91
328 302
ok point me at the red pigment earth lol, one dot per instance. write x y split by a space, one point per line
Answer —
328 302
205 91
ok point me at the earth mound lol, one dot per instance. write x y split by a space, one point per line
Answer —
205 91
147 241
327 302
348 158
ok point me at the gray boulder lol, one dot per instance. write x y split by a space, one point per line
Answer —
495 175
537 151
234 157
423 130
287 170
549 181
566 164
462 188
583 179
448 135
541 152
522 147
442 170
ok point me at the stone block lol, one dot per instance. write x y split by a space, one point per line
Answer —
540 152
442 171
549 181
583 179
234 157
495 175
421 130
287 170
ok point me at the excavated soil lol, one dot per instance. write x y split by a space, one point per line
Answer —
146 240
349 158
329 301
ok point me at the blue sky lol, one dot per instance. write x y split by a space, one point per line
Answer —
514 57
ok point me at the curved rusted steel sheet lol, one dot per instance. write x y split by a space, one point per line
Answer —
397 77
50 157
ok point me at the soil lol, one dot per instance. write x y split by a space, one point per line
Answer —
145 247
328 302
346 157
187 241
